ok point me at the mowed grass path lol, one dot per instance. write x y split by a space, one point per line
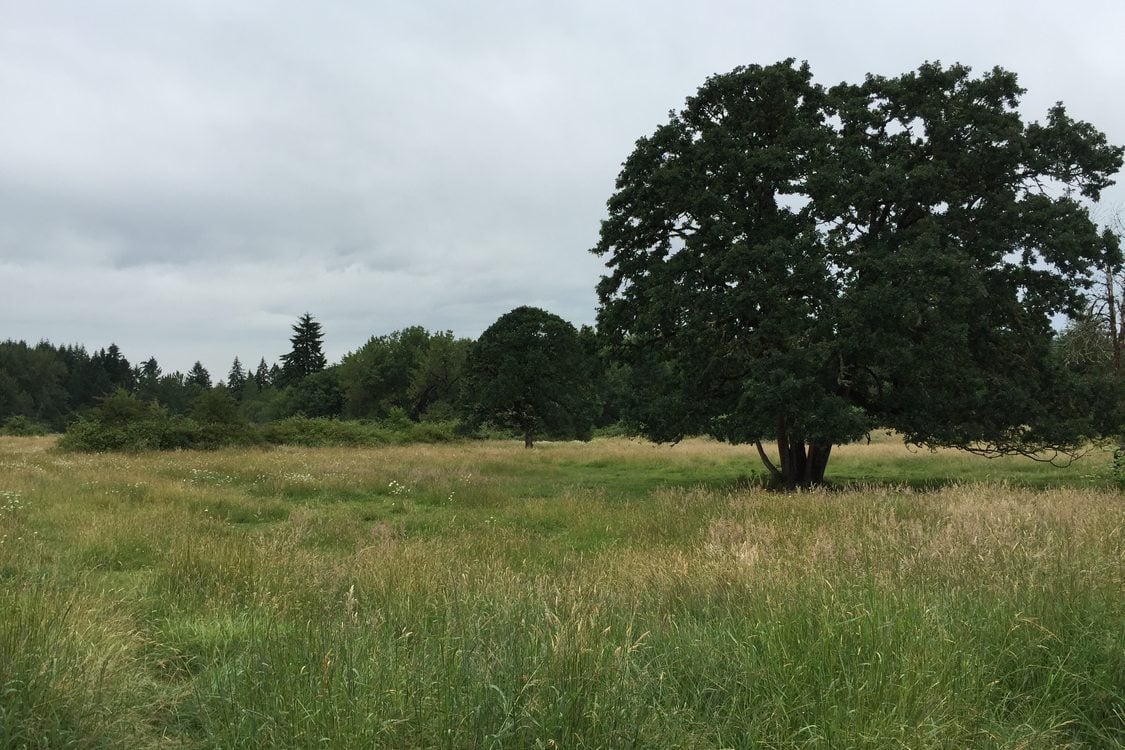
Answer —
613 594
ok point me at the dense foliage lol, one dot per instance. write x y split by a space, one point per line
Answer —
123 422
46 385
406 385
411 371
804 264
529 372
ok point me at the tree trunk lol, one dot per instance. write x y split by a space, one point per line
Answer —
798 463
1114 334
783 454
818 462
527 439
801 465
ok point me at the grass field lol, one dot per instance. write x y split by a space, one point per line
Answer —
613 594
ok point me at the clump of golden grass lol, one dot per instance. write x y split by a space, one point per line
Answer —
970 530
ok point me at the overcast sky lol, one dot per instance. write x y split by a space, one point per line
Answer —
186 178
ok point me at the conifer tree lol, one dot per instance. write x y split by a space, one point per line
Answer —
262 375
307 355
117 369
147 377
199 376
236 379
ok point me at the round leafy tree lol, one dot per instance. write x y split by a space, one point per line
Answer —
801 264
529 372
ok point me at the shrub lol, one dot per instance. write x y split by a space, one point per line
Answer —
316 432
122 422
20 425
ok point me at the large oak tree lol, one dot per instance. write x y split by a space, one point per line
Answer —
802 264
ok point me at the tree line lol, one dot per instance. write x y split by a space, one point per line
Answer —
531 373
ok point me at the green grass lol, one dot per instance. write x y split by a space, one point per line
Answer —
613 594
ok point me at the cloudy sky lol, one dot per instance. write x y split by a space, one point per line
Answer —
186 178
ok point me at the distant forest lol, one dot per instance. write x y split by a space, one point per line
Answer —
410 375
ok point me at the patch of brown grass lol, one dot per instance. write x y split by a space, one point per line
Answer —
978 531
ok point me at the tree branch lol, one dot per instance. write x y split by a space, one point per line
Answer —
766 460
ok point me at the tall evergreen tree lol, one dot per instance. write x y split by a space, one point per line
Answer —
199 376
148 378
262 375
236 379
117 369
307 355
150 369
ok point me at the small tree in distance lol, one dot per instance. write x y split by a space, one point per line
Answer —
529 372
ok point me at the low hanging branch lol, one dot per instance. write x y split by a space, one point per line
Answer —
1056 456
766 460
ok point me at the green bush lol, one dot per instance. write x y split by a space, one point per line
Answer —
316 432
91 435
325 432
430 432
20 425
219 422
121 422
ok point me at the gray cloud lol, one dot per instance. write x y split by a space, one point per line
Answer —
185 178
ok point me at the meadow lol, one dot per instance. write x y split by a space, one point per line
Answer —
612 594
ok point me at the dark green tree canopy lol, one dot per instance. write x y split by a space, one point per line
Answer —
198 376
307 355
317 395
216 406
149 370
803 264
411 369
32 383
529 372
117 369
